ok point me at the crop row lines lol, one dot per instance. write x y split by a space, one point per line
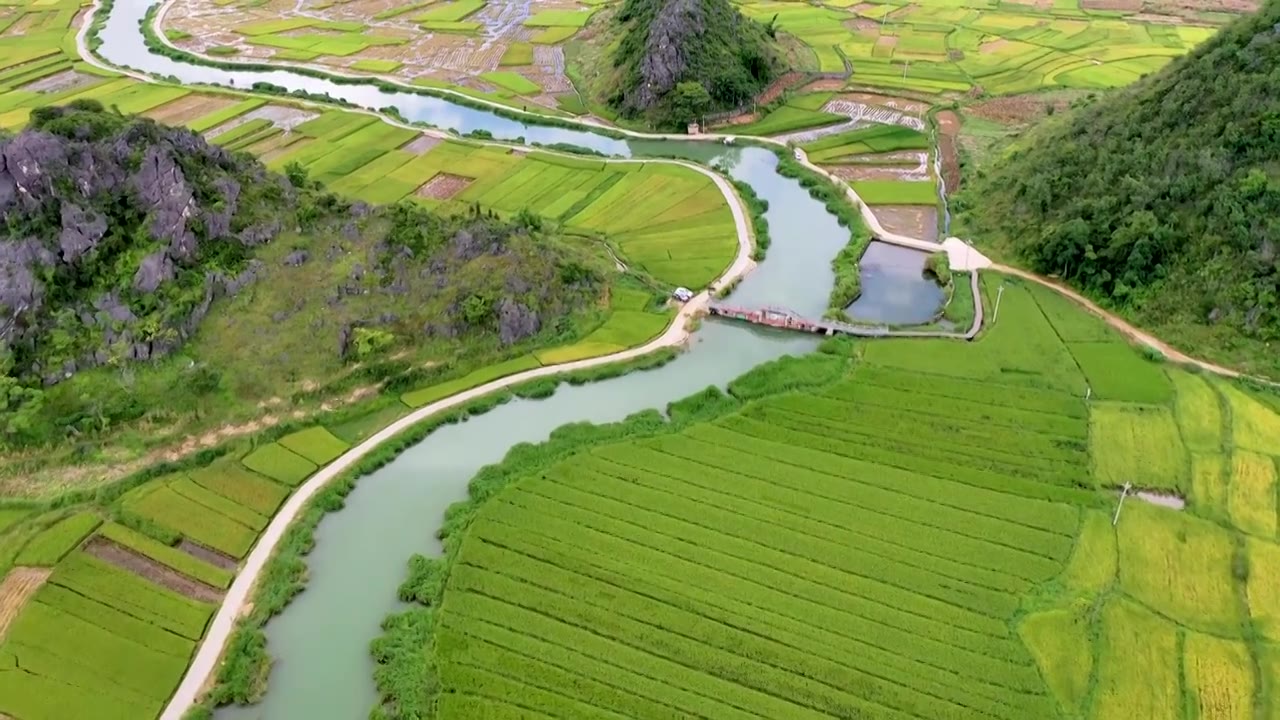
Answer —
551 635
785 540
1017 540
532 661
759 432
750 549
843 605
866 542
948 409
910 483
791 677
502 687
999 394
970 673
880 422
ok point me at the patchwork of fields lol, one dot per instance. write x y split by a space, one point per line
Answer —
101 609
998 48
499 50
924 533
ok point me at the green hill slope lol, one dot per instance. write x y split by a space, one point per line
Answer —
1162 200
671 51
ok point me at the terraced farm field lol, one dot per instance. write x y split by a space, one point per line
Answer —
958 47
503 51
900 529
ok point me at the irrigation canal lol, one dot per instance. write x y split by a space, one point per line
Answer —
320 644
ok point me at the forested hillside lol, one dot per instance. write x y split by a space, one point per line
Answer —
1162 200
677 59
126 242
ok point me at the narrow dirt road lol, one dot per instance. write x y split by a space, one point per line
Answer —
206 660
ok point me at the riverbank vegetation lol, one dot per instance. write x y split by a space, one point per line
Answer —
987 579
1109 197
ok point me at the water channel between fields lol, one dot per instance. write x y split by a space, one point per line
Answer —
320 644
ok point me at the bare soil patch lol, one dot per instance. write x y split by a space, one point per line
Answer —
189 107
213 557
443 186
162 575
901 104
876 172
21 27
1018 109
16 589
58 82
823 85
919 221
1038 4
285 118
1157 18
1131 5
421 144
994 46
948 132
779 86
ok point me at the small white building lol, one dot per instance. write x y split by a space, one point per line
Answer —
683 294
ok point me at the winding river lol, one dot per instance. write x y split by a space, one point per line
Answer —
323 669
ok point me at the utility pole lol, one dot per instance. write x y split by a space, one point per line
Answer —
905 68
999 293
1088 392
1123 492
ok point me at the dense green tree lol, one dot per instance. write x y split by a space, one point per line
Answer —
1162 199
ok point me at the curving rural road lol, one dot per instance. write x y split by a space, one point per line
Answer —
962 255
206 659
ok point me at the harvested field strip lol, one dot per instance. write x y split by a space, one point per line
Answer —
223 114
158 573
94 578
170 557
48 547
1210 481
19 585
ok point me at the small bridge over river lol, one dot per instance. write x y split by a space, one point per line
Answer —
786 319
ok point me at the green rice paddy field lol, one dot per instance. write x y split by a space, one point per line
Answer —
898 529
1001 48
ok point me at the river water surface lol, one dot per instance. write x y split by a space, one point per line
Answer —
323 670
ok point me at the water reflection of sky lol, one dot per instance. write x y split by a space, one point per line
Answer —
894 288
